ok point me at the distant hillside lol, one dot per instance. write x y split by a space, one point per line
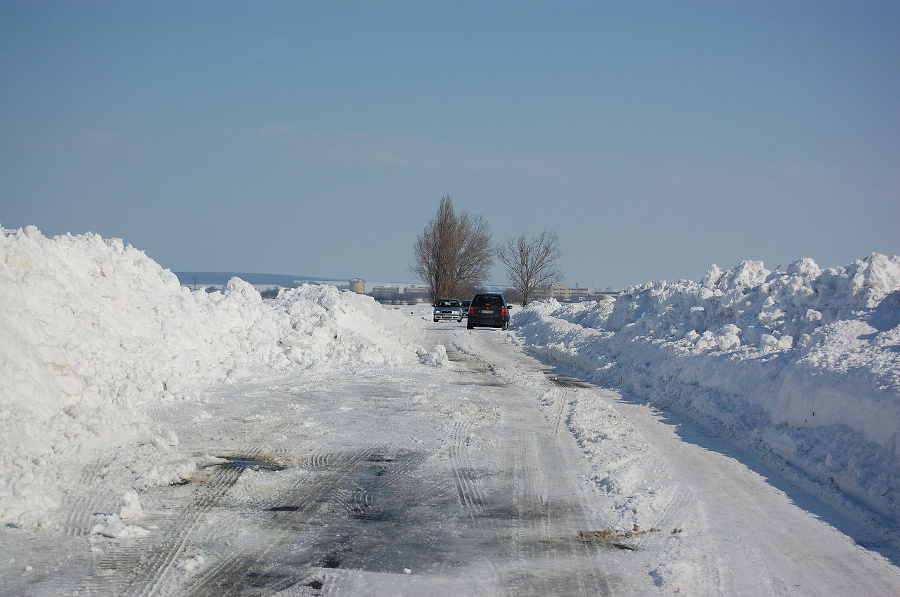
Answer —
204 279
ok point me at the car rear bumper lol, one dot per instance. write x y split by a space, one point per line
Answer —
493 322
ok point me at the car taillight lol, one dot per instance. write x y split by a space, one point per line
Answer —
471 310
503 311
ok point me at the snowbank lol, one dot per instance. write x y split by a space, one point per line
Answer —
94 334
803 363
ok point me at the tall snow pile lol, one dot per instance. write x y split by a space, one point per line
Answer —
803 363
93 334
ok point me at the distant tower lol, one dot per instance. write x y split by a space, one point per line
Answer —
358 285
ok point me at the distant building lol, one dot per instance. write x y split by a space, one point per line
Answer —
560 292
386 293
399 293
417 291
358 285
578 294
563 293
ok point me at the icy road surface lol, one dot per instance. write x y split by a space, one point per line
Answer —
485 475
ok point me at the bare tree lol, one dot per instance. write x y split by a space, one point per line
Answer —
453 252
532 263
513 295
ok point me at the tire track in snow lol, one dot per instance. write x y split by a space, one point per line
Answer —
470 497
148 565
545 515
533 513
82 511
266 570
552 401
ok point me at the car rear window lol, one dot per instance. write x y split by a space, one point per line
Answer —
487 301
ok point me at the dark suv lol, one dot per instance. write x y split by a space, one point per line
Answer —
489 309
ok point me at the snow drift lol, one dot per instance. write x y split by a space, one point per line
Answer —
802 363
94 334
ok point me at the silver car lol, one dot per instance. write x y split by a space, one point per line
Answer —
446 309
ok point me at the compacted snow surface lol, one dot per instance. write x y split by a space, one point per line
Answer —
158 440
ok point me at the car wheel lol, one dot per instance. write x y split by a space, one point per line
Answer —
505 325
469 325
435 320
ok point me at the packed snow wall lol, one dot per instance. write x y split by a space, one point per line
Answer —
94 334
804 363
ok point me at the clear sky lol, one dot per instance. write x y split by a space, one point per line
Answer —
317 138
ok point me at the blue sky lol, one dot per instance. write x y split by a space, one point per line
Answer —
317 138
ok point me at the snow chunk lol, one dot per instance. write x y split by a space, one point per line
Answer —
728 337
119 530
192 563
131 506
437 357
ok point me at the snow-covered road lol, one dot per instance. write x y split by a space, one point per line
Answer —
486 474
